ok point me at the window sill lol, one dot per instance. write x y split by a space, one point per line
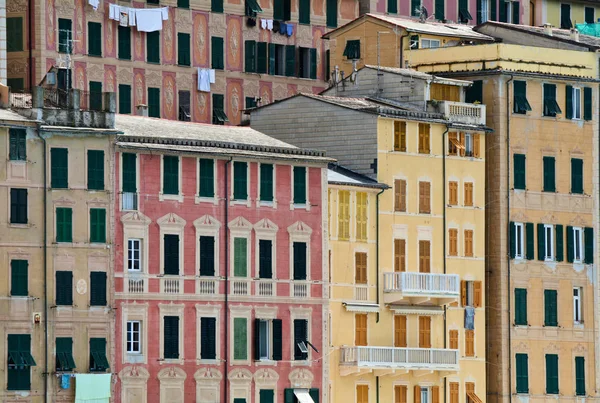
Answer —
271 204
135 358
170 361
183 65
240 202
265 362
126 59
99 56
177 198
305 206
301 363
204 361
149 62
19 225
202 199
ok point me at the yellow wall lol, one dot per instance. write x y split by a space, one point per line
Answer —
550 12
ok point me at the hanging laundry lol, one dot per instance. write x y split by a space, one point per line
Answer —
131 12
211 76
149 19
124 18
282 28
269 25
289 29
165 13
114 12
94 4
263 23
203 80
65 381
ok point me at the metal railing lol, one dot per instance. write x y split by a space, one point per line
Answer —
422 283
399 357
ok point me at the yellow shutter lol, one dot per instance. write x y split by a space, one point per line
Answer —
469 343
424 197
361 329
424 138
399 331
344 214
435 394
476 294
399 136
453 392
399 255
424 332
463 292
400 394
361 216
476 146
360 259
417 396
453 339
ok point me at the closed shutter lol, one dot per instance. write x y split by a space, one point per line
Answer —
435 394
95 96
559 251
171 337
17 144
550 308
344 214
576 175
19 278
277 339
272 55
240 180
299 260
424 256
400 392
569 102
332 13
217 57
476 145
14 34
124 39
468 194
98 288
183 49
399 255
207 256
522 370
468 243
153 47
424 198
129 173
453 193
588 234
170 175
304 11
216 6
469 343
361 216
290 60
171 254
463 292
424 332
392 6
299 185
589 15
493 13
59 168
580 376
453 339
551 374
208 341
250 56
262 58
94 39
453 392
530 245
440 10
18 206
154 102
424 138
207 178
98 225
300 335
400 194
360 329
265 259
266 396
400 331
541 242
477 297
362 393
417 394
64 224
570 245
520 306
519 181
266 182
516 13
240 257
257 339
240 339
64 288
587 103
360 268
124 98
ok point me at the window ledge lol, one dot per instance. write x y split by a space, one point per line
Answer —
22 226
170 361
135 358
304 206
300 363
200 361
178 197
202 199
240 202
272 204
265 362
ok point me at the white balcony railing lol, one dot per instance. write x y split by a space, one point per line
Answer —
171 285
464 112
129 201
430 284
300 290
361 292
240 287
135 285
207 286
399 358
265 288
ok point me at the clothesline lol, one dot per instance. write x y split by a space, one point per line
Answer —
145 19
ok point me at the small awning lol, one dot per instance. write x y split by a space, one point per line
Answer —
416 310
253 6
361 307
551 107
65 361
521 104
303 396
220 116
21 359
100 361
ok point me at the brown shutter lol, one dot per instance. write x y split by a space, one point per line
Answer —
435 394
452 142
453 392
453 193
454 339
469 343
463 293
468 194
477 294
427 191
424 332
360 268
401 394
470 387
468 242
453 238
361 329
399 255
402 195
424 257
476 146
462 144
362 393
417 396
397 195
399 331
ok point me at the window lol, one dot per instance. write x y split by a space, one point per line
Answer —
361 216
415 6
549 174
183 3
518 241
95 95
129 181
430 43
153 47
250 56
240 180
94 34
124 98
573 102
589 15
219 116
207 256
134 340
453 392
520 103
64 288
587 103
64 224
469 343
360 268
424 198
14 34
551 107
362 393
509 12
268 340
332 13
300 256
483 11
521 306
469 243
304 11
452 193
217 53
424 138
360 329
454 144
19 283
474 93
15 84
20 362
277 59
262 59
580 375
522 370
399 136
545 242
400 331
281 10
576 176
424 256
64 354
18 206
463 11
425 332
453 242
154 102
400 195
208 338
184 114
171 337
216 6
124 39
17 144
300 337
97 225
550 308
265 396
65 36
265 258
59 168
266 182
290 60
577 305
95 174
98 361
575 245
519 180
551 374
399 255
171 254
352 51
470 293
98 288
307 63
299 185
468 194
240 257
183 48
170 175
453 336
343 214
588 255
134 257
240 338
439 12
252 8
565 16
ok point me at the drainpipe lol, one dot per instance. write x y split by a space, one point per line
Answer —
226 226
45 249
377 247
444 238
401 61
508 232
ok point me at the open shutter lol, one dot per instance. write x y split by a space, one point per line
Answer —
314 394
587 103
541 242
476 294
570 248
569 102
417 396
288 396
257 339
463 293
272 58
476 146
250 56
589 245
530 246
313 63
559 243
512 239
277 339
290 60
516 13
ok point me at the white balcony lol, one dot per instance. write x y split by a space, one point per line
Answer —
460 112
265 288
420 288
135 285
171 285
396 360
206 286
300 289
240 286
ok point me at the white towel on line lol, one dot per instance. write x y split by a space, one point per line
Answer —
203 80
149 19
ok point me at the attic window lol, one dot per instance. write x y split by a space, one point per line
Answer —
352 50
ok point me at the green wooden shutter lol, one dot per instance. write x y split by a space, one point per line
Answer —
262 58
565 16
124 39
171 337
207 256
299 261
551 374
559 250
208 340
95 169
267 396
530 246
463 11
240 339
18 206
153 47
95 96
240 180
576 175
154 102
493 10
570 245
304 12
240 257
64 288
94 39
129 176
415 5
265 258
98 288
516 13
64 224
65 35
520 173
250 56
503 6
266 182
290 60
207 178
520 306
440 10
171 254
478 11
541 242
59 168
588 234
14 34
183 3
289 396
549 175
124 98
64 354
299 185
216 6
19 376
98 361
512 239
522 362
300 335
580 376
183 49
569 102
257 339
278 13
17 144
272 52
314 394
277 339
217 52
589 15
19 278
332 13
392 6
170 175
587 103
98 225
313 63
550 314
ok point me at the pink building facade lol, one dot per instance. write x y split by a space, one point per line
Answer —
219 266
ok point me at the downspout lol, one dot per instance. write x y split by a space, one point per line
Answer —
45 249
377 276
226 226
444 239
30 46
401 61
508 232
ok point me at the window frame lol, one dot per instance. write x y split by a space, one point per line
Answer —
306 203
131 333
131 260
577 103
430 42
211 199
578 305
578 252
17 136
273 201
171 196
519 246
21 217
245 201
549 243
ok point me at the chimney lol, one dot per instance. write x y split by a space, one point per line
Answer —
142 110
548 29
574 35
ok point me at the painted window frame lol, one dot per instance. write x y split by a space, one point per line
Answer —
130 332
578 305
519 240
578 245
549 243
179 196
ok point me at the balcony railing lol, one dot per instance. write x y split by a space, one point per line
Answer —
399 358
240 287
464 113
171 285
361 292
421 287
135 285
207 286
265 288
300 290
129 201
